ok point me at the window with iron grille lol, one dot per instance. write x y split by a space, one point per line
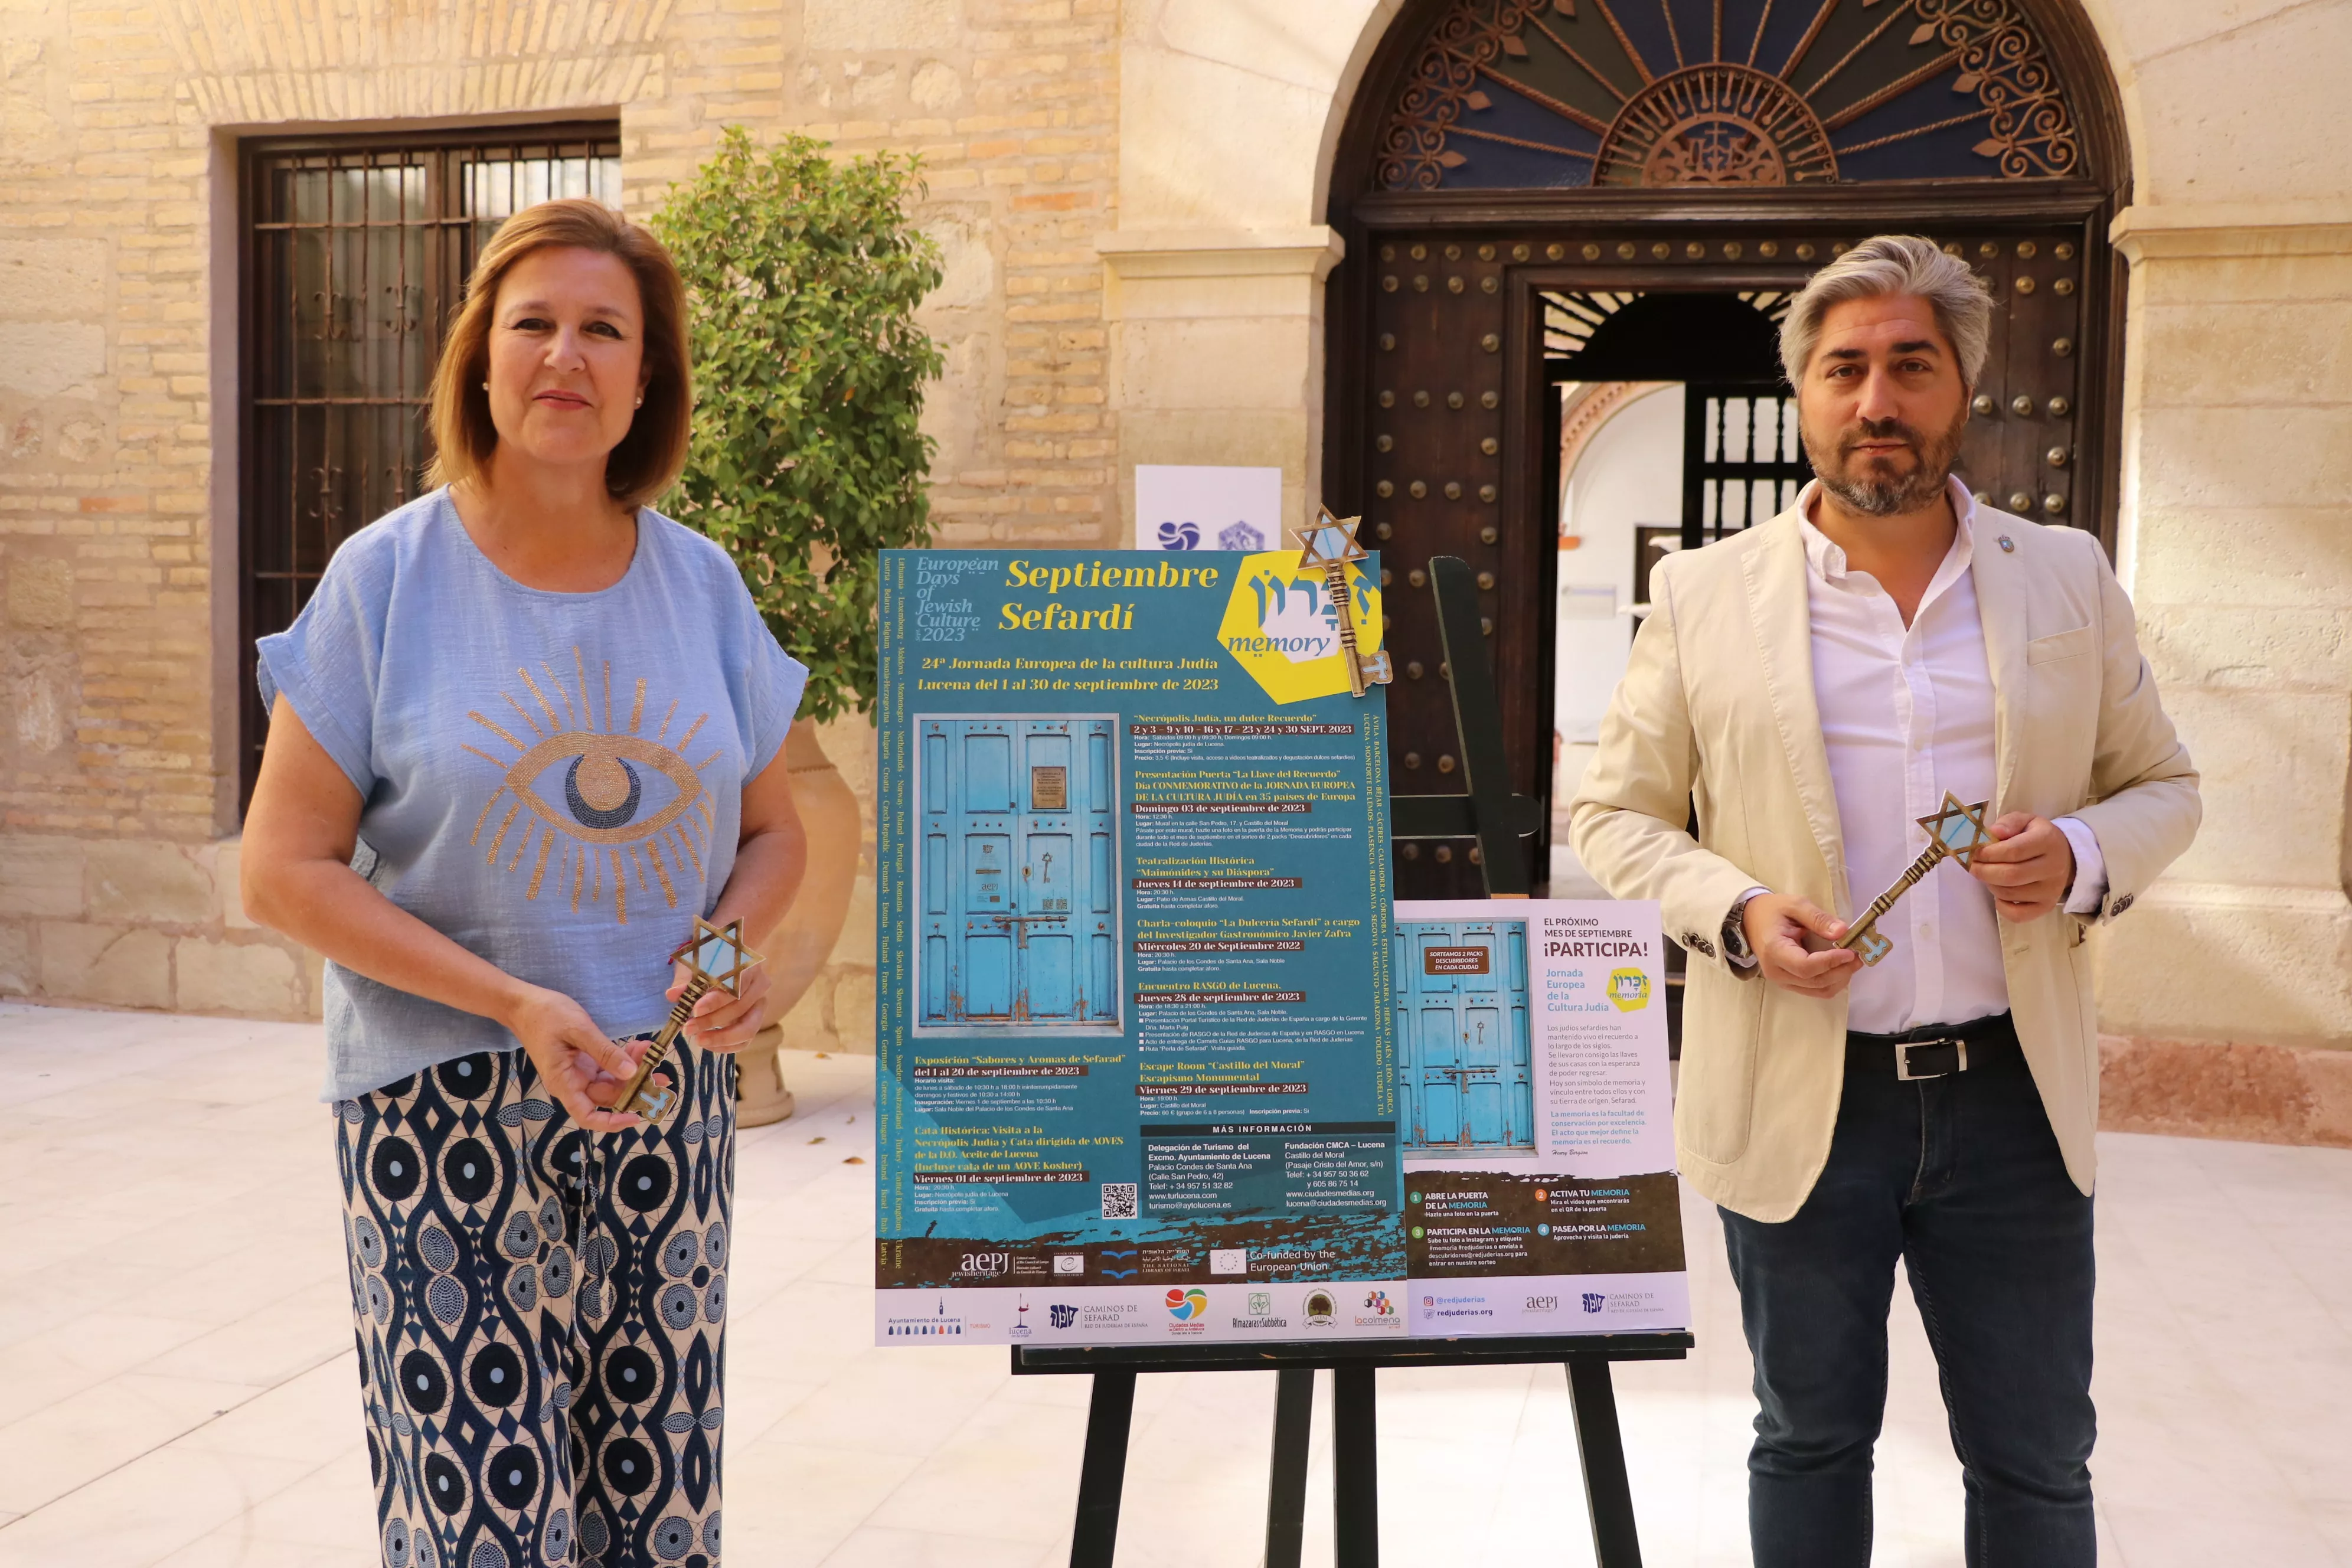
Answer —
1743 458
356 251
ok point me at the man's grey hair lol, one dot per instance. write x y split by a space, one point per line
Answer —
1894 264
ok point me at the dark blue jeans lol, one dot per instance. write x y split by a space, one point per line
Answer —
1962 1178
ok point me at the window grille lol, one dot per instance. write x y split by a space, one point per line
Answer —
355 252
1743 460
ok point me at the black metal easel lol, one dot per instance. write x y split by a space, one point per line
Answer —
1498 819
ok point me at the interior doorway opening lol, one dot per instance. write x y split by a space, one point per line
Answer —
1673 429
1620 498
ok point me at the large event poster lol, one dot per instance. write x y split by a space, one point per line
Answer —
1136 1075
1536 1109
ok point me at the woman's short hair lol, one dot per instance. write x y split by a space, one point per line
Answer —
1894 264
650 456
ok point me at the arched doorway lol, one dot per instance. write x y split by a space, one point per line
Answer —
1515 174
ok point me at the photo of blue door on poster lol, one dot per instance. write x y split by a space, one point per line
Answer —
1015 878
1465 1074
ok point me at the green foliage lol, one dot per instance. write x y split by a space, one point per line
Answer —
802 275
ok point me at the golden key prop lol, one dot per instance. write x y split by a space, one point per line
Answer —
715 957
1955 832
1330 543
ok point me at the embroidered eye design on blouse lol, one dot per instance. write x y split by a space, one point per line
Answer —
602 802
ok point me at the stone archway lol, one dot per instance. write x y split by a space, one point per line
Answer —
1505 158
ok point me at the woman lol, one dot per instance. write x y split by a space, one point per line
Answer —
549 722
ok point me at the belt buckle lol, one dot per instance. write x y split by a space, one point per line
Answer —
1902 1072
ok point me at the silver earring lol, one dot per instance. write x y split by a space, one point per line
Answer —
641 400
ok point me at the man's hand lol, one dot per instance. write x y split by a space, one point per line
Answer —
1777 926
2029 869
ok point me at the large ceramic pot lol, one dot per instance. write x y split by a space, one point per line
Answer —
798 948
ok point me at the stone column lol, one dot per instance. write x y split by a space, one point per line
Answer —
2228 990
1216 340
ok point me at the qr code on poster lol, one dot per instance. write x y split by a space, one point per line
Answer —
1118 1200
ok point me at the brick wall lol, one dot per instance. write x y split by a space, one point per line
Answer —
1018 138
117 138
104 452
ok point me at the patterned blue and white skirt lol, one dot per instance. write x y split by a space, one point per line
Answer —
541 1317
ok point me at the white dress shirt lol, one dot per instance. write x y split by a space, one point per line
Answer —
1906 715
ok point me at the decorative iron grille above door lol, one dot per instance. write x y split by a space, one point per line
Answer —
356 250
1520 94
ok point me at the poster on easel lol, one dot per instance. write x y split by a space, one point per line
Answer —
1535 1117
1135 1079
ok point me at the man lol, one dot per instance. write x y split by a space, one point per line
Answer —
1812 685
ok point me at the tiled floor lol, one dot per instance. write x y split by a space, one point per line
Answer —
176 1382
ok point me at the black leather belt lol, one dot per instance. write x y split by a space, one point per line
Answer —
1933 1050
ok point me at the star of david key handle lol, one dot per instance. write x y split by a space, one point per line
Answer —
1330 543
715 957
1955 832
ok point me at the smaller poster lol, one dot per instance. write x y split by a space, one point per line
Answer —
1193 506
1536 1118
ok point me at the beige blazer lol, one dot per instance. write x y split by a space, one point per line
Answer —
1716 711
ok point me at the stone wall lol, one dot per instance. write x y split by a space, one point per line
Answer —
1013 107
2238 548
104 536
141 922
118 364
2230 989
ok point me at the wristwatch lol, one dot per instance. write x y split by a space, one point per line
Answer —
1735 931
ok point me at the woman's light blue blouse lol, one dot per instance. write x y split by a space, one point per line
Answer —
554 780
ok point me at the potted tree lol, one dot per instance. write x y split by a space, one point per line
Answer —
803 276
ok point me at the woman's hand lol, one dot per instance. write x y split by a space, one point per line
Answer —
297 878
769 860
724 1023
580 1065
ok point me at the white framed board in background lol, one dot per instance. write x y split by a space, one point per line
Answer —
1195 506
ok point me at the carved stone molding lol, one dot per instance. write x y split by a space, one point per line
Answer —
248 65
2222 229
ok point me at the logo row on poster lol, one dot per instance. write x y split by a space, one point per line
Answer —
1087 1314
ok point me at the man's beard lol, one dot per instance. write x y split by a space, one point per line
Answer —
1880 494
